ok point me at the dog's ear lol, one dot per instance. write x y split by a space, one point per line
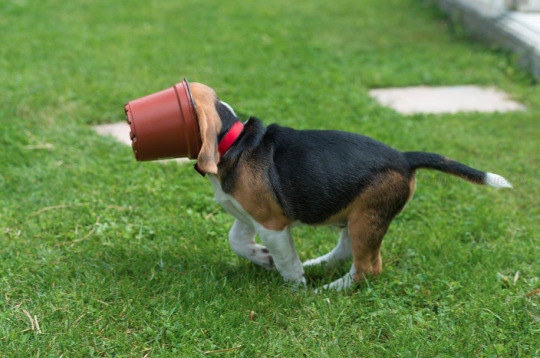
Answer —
209 125
208 156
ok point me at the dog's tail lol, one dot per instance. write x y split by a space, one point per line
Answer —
423 160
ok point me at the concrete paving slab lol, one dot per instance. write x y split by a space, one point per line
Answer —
410 100
120 132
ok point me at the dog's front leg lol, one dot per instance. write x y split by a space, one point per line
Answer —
281 246
242 241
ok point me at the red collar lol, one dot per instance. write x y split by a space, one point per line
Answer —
230 137
225 143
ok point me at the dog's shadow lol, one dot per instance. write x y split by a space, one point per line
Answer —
205 266
159 270
240 270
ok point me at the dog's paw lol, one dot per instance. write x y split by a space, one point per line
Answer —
262 257
297 285
328 262
338 285
313 262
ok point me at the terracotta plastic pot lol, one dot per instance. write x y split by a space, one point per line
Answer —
164 124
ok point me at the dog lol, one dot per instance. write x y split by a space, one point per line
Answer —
272 178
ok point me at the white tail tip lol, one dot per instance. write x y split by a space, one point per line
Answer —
496 181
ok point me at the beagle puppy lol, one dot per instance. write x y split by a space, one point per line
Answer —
272 178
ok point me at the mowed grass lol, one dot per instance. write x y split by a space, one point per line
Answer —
111 257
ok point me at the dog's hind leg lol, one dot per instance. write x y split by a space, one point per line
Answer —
366 233
342 283
340 253
242 241
369 219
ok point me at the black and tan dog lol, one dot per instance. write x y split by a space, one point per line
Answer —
271 178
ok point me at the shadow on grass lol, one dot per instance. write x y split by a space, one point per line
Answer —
164 269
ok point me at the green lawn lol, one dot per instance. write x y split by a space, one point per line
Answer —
125 259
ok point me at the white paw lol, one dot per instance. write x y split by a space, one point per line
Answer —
262 257
297 283
327 260
339 284
313 262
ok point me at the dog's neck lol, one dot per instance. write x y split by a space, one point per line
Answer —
228 118
229 137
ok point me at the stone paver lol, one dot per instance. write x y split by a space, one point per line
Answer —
410 100
120 132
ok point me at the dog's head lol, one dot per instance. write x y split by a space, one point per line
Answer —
215 117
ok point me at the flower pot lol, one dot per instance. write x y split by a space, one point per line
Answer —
164 124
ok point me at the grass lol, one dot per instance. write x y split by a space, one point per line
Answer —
117 258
